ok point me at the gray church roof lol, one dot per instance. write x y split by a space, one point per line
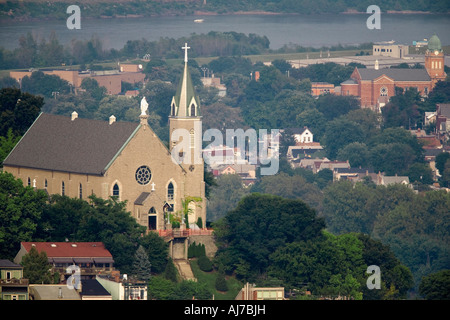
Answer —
59 143
395 73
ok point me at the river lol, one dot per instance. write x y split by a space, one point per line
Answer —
306 30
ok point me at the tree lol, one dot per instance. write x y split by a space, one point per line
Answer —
141 265
109 222
20 211
225 196
36 267
161 288
441 159
157 251
243 233
91 86
339 133
170 273
291 187
356 153
47 85
333 106
18 110
344 207
221 283
7 143
436 286
393 273
329 265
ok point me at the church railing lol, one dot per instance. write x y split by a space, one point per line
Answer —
184 233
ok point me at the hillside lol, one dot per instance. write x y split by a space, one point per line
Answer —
56 9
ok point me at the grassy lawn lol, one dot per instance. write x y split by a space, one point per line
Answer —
234 286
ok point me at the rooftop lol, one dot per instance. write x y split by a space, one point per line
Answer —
395 74
55 142
69 249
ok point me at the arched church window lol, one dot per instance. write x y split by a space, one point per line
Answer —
383 92
172 110
81 191
116 191
63 188
170 192
45 184
29 181
192 110
152 219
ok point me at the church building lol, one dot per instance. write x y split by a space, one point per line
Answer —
374 87
79 157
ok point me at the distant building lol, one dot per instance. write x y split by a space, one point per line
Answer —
443 120
374 87
110 79
383 180
353 174
390 50
319 88
215 83
251 292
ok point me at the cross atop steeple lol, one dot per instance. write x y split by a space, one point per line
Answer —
185 48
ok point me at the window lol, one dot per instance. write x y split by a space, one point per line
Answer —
152 219
172 112
45 184
143 175
383 91
116 191
170 192
29 181
63 188
81 191
192 110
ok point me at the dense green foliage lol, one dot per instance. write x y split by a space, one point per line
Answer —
436 286
29 215
258 226
35 267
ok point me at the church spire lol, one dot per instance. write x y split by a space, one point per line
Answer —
185 103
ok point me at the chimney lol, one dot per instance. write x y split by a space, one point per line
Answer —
112 119
74 115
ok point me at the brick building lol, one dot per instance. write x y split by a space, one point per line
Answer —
374 87
110 79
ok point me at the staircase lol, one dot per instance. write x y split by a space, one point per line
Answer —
184 269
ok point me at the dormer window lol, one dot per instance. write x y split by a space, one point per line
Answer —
192 110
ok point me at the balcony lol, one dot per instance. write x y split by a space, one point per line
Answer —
14 282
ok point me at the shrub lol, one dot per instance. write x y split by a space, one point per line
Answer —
221 284
204 263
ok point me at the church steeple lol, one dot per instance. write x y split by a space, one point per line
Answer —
185 103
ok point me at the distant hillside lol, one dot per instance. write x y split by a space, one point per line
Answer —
56 9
